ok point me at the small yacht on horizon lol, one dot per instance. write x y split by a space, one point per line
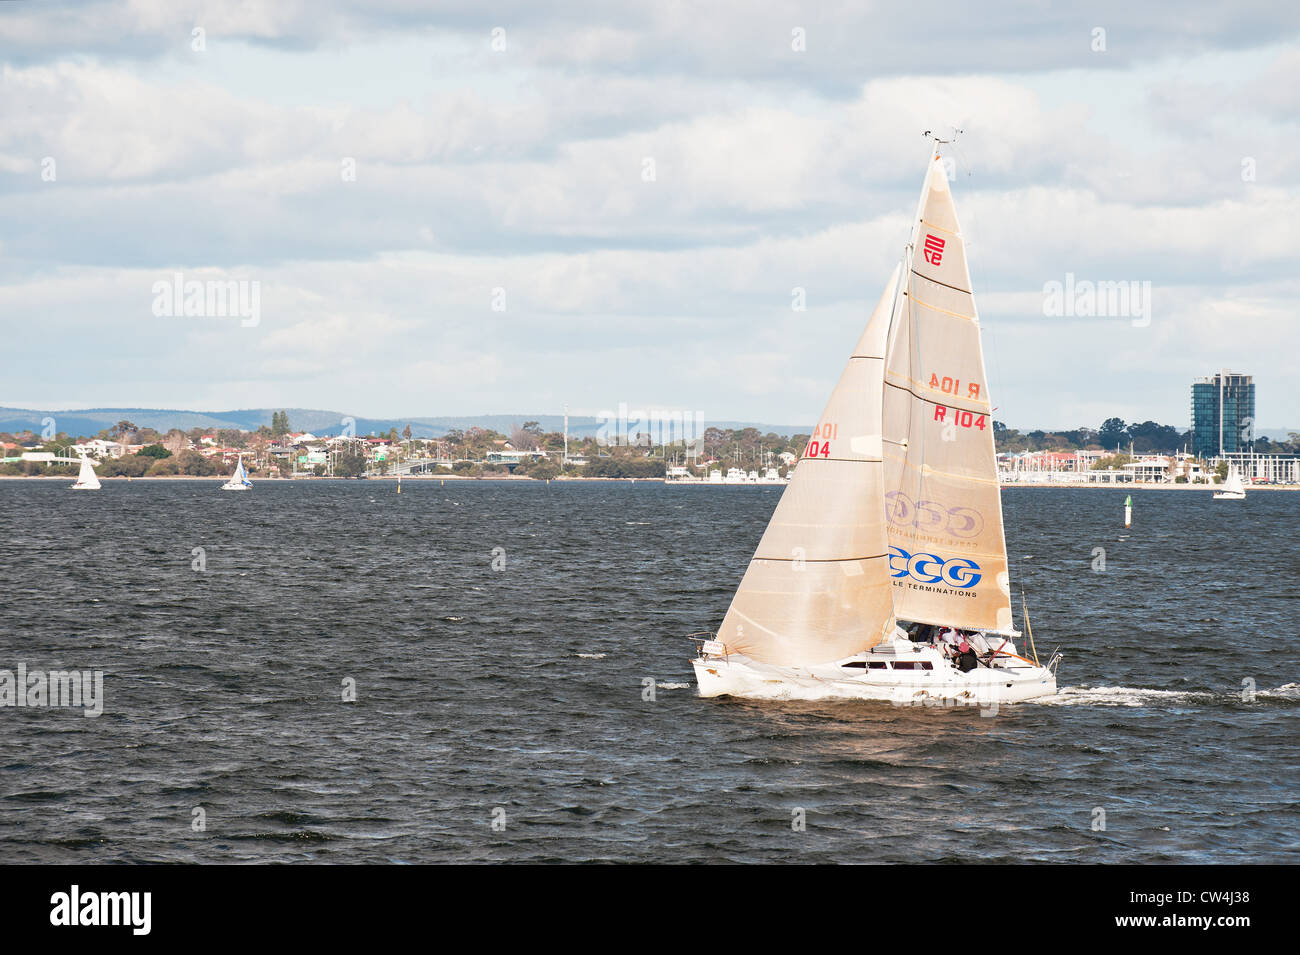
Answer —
1233 488
239 480
87 479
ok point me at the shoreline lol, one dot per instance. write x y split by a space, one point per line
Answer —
221 479
1204 488
419 479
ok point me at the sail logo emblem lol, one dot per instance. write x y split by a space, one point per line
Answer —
933 251
932 517
959 572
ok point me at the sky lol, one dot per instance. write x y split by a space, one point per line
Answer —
508 207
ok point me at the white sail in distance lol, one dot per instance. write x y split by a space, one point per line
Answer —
87 479
239 479
818 587
943 507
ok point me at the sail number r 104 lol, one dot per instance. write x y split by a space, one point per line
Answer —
964 419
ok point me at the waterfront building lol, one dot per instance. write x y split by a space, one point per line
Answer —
1049 461
1223 414
1151 469
1263 468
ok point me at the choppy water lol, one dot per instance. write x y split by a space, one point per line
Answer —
522 689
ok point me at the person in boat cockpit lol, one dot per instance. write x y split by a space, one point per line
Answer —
921 633
966 659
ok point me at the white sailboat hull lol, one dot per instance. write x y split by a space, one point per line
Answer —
1010 680
236 487
1229 495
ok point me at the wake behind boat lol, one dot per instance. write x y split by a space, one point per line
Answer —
883 571
239 480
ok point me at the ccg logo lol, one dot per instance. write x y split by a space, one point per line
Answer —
956 572
931 517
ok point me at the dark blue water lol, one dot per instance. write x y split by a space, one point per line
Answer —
517 694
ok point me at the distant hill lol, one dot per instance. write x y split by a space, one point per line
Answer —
90 421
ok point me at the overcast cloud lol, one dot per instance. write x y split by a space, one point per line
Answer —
126 156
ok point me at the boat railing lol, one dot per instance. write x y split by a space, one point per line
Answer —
703 638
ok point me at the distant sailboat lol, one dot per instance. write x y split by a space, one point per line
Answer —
1233 488
87 479
239 480
883 571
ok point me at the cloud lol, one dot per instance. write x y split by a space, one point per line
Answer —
526 170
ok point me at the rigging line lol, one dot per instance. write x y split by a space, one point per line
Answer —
914 366
973 233
912 357
971 237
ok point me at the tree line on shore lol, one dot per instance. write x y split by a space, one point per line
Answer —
1146 437
630 456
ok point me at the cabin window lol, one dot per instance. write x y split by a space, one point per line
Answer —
909 665
875 665
926 665
860 664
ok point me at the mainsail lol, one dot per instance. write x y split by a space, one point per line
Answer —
1233 484
818 587
943 508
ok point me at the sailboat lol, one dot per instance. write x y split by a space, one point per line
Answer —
239 480
87 479
885 555
1233 488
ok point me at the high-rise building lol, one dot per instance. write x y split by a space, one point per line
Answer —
1223 414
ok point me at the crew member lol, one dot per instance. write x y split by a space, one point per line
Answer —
966 659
